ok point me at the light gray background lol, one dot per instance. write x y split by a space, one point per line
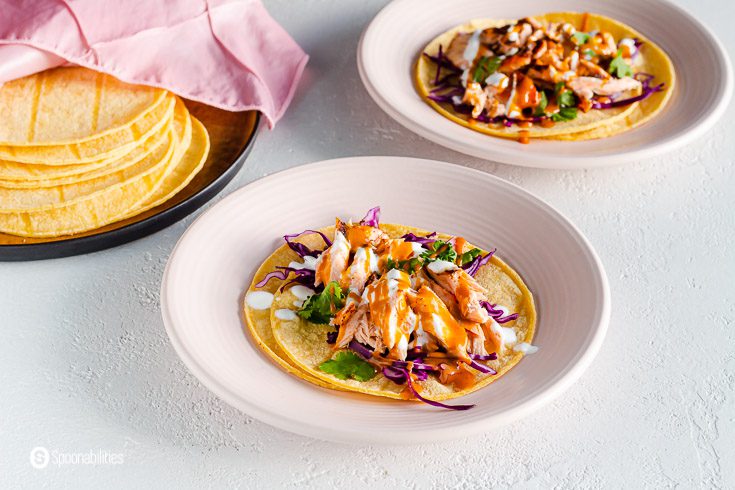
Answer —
85 363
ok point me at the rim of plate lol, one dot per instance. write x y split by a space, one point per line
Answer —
557 385
542 154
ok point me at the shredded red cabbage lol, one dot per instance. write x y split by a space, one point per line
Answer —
498 314
472 267
397 375
489 357
483 369
423 240
438 66
372 218
418 365
647 91
302 249
431 402
332 337
304 276
442 60
305 280
414 353
362 350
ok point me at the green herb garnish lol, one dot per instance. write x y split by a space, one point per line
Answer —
347 364
409 265
581 37
539 111
439 250
565 114
619 68
468 257
320 308
589 52
486 67
566 99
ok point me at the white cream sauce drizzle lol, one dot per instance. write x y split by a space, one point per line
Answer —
470 53
473 46
439 266
286 314
525 348
302 293
309 263
507 335
259 300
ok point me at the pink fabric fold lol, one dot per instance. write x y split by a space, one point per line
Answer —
229 54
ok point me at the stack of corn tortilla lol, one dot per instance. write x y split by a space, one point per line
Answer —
80 150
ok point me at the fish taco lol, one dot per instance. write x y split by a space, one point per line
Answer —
390 310
569 76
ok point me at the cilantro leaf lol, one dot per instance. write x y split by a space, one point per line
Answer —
486 67
619 68
468 257
347 364
565 114
439 250
320 308
581 37
566 99
409 265
558 88
540 111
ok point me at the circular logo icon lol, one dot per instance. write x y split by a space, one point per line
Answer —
40 457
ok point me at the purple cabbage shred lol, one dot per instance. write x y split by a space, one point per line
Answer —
488 357
483 369
362 350
472 267
302 249
431 402
497 314
423 240
303 276
372 218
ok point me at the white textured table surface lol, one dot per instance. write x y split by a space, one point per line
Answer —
85 363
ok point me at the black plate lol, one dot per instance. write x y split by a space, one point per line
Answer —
232 135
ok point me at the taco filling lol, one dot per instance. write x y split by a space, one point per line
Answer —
403 315
533 74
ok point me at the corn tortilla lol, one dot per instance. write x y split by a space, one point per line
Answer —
305 346
591 125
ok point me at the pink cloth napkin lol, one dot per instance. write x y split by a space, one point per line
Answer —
229 54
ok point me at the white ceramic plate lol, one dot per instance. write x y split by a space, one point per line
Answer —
215 260
391 43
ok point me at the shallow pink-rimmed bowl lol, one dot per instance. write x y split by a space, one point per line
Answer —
704 80
215 260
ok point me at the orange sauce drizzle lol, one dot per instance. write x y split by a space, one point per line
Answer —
401 250
459 376
547 123
358 236
323 272
450 333
459 244
526 94
384 309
